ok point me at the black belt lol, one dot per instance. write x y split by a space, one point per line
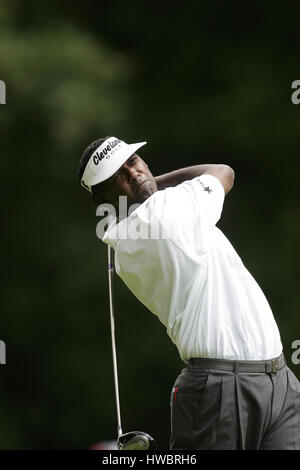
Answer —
271 365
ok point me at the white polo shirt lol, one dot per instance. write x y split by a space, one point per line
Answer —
175 260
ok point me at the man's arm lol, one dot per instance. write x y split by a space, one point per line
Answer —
224 173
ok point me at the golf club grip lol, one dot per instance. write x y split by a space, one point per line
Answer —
113 342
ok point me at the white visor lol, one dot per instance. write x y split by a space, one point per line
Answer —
106 160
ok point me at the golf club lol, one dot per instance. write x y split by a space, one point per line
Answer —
134 440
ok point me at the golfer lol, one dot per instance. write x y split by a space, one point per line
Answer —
235 391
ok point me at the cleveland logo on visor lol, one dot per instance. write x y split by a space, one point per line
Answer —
109 148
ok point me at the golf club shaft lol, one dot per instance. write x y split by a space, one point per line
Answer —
112 325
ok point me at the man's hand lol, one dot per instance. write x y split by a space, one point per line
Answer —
224 173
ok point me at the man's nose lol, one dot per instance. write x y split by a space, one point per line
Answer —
132 174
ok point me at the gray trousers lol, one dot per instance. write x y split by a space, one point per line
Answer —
220 409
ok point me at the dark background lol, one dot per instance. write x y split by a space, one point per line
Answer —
202 82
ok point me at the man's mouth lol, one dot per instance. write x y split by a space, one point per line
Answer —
141 185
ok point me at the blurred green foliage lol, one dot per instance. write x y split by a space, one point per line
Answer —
205 83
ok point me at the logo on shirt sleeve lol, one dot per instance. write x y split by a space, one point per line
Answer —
205 188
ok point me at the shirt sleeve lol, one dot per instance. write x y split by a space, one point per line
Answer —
191 209
210 194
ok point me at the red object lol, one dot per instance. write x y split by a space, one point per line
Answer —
176 390
104 445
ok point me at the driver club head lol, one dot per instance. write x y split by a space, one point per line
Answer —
136 440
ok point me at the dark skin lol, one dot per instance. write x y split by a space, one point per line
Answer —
135 180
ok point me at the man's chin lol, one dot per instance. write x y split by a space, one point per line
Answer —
144 193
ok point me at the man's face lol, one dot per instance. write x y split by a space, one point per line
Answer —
133 180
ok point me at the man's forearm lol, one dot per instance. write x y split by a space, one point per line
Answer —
179 176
